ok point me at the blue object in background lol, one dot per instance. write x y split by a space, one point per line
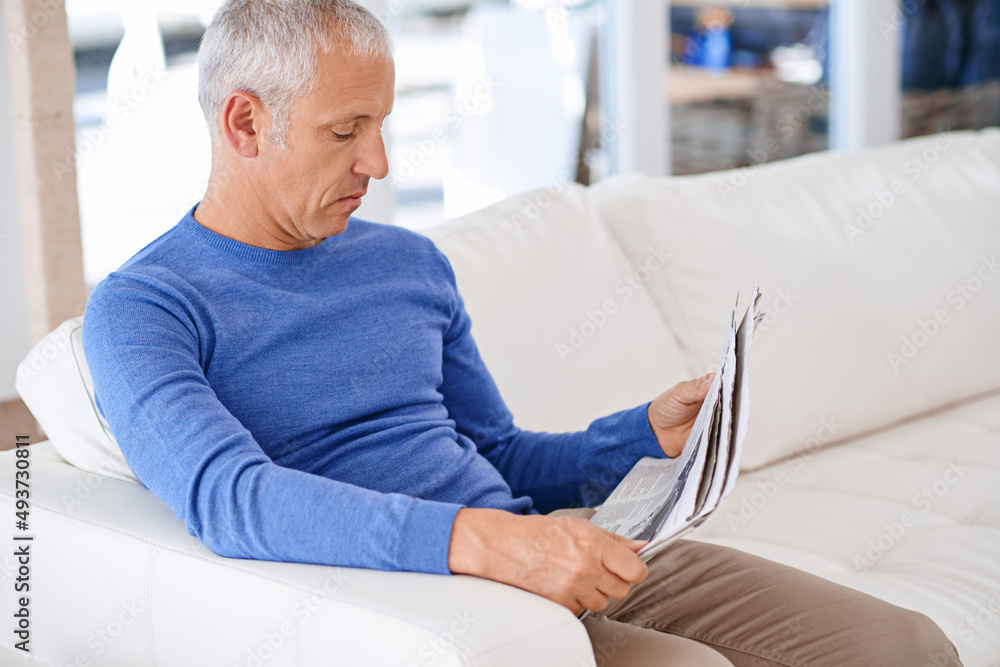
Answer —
709 48
754 34
984 59
951 43
925 46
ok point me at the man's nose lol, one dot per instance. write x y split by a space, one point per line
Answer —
373 161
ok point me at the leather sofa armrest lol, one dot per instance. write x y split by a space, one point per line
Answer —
115 577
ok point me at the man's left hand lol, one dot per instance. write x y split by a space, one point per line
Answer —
672 414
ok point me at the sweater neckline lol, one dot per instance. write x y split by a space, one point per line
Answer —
263 255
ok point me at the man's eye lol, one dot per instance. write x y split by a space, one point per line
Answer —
343 137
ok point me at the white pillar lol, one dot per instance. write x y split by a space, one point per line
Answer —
865 76
633 74
13 302
41 74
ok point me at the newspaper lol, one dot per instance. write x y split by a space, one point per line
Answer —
660 499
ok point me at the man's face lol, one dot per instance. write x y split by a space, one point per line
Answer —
334 145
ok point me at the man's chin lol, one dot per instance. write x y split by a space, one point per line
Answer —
335 222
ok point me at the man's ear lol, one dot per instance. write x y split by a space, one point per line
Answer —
241 123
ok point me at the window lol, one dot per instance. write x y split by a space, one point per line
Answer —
950 66
748 84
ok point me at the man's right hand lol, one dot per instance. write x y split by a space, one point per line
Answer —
565 559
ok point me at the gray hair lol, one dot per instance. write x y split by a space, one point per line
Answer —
268 48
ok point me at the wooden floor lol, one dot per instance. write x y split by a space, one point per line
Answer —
15 419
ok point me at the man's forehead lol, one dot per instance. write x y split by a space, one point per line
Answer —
352 88
347 118
353 70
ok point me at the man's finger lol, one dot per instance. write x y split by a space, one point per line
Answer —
625 564
693 391
624 541
613 586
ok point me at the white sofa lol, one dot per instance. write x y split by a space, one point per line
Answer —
873 456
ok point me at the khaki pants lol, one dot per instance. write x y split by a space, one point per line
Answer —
704 604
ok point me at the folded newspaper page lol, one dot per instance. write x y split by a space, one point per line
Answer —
659 499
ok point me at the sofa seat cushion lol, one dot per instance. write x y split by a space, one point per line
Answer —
910 515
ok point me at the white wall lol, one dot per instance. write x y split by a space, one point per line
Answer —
13 304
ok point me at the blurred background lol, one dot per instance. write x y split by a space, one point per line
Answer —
493 98
498 97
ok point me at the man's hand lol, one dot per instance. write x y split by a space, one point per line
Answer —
672 414
565 559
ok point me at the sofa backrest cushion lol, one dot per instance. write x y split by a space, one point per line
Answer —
549 306
54 382
562 330
879 273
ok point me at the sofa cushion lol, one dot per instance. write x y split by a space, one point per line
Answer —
879 273
910 515
560 315
54 382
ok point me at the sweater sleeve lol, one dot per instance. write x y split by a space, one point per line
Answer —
145 355
555 469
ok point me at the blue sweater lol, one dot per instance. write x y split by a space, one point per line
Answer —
325 405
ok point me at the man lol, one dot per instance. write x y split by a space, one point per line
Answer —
297 386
